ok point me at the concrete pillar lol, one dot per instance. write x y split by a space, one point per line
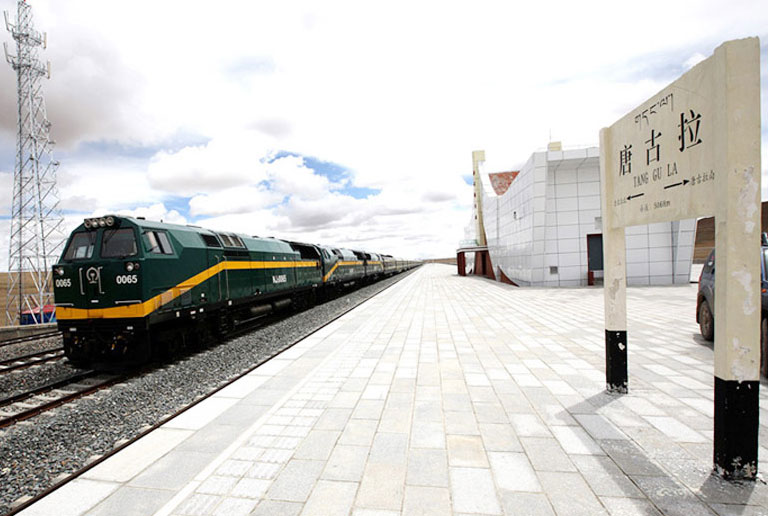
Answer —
614 284
477 158
737 259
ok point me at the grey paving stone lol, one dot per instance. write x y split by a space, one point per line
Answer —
250 488
368 409
131 501
173 471
525 504
235 507
234 468
600 427
374 512
513 472
333 419
296 481
213 438
739 510
317 445
575 441
629 507
198 505
570 494
217 485
276 508
427 435
546 454
672 497
359 432
555 414
456 402
630 458
382 487
396 420
346 463
389 448
473 491
492 412
426 501
331 498
427 468
466 451
427 411
529 425
605 478
460 423
499 437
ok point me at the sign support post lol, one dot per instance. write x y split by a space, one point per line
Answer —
737 253
614 285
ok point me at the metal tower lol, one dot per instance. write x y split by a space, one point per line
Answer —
36 222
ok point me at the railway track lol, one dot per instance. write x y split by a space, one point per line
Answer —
27 338
28 404
41 357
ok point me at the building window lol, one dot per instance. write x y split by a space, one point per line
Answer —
553 269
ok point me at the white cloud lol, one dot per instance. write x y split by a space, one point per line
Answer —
156 211
98 187
228 161
243 199
290 176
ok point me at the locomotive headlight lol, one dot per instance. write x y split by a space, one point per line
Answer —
60 271
129 266
110 221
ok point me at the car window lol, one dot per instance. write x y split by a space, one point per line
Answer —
765 263
118 243
81 246
157 242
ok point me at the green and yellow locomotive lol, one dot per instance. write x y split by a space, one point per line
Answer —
127 288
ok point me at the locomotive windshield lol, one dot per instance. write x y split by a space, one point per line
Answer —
81 246
118 243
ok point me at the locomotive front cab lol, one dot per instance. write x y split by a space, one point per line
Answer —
98 291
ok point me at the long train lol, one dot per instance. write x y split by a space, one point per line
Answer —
127 289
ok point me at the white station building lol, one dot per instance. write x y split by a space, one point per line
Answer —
543 227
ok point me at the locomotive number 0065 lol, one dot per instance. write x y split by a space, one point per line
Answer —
126 279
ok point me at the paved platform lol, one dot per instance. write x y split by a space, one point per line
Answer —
446 395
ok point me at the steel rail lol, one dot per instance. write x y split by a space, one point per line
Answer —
61 400
40 357
27 338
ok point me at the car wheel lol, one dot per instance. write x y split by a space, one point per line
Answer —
764 347
706 321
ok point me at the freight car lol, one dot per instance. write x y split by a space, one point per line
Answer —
128 289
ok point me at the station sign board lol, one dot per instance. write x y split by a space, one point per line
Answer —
661 159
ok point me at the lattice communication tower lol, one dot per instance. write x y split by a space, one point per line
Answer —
36 222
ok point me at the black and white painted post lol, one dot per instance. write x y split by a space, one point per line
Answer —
693 150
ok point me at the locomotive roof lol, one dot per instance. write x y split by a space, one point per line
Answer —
251 242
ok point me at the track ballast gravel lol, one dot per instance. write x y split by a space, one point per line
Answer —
35 452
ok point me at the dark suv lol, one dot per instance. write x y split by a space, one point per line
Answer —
705 302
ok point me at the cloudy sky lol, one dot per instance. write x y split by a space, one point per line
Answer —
348 123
